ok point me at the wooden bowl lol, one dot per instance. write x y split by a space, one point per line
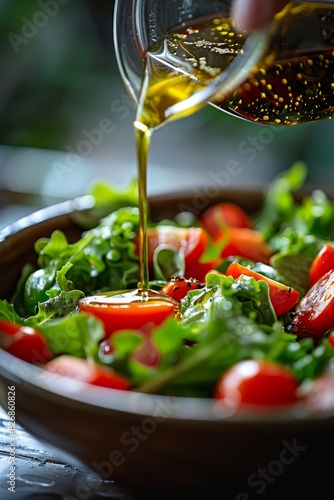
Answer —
158 446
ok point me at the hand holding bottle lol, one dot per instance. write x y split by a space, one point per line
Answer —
290 43
252 14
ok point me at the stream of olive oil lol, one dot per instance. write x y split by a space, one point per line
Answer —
293 84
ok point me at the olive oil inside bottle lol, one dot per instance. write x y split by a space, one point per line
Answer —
292 84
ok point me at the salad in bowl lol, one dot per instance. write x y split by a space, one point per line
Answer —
249 320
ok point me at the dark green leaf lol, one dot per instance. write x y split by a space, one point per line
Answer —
294 270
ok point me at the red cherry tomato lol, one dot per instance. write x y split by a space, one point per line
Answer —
123 316
245 242
254 382
283 298
91 373
322 263
218 216
314 315
177 288
23 342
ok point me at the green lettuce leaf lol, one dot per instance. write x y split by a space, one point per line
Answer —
7 312
279 203
77 335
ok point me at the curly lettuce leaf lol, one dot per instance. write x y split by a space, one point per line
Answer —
63 304
103 259
77 335
244 296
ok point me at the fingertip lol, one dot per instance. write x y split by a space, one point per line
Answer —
250 15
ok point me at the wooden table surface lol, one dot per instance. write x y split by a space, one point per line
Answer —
39 475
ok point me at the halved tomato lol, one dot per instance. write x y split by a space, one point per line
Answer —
218 216
314 315
322 263
283 297
245 242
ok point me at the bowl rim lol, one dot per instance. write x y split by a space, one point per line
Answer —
33 378
45 214
51 386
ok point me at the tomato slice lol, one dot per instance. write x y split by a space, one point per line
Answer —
178 287
127 314
91 373
245 242
314 315
257 382
23 342
283 297
322 263
218 216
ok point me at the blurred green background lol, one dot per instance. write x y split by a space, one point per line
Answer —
59 77
60 81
